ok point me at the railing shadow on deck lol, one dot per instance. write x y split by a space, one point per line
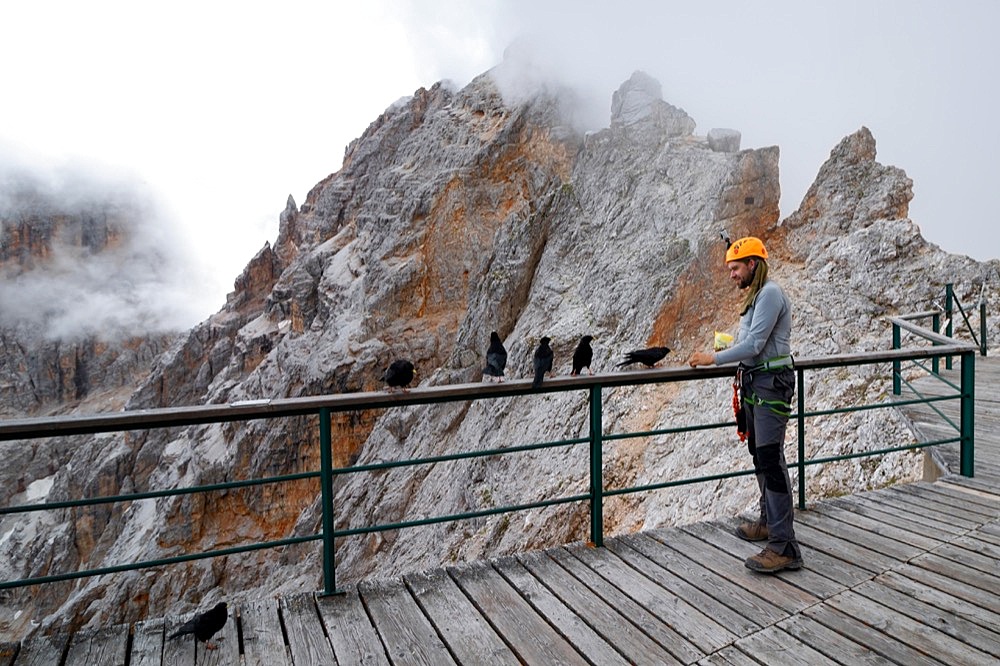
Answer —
324 406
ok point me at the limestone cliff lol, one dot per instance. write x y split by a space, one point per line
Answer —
456 214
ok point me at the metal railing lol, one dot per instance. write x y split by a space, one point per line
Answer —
950 303
594 386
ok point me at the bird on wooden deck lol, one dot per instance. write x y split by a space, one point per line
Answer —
542 361
205 625
583 355
399 374
496 359
648 357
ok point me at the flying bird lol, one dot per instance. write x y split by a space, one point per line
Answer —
542 361
648 357
398 375
583 356
496 358
205 625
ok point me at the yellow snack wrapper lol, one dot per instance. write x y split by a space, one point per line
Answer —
722 340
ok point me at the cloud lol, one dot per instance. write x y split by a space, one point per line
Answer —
87 252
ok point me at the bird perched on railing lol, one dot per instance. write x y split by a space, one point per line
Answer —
496 359
542 361
583 355
648 357
399 374
205 625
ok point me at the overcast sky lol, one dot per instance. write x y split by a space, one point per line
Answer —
223 109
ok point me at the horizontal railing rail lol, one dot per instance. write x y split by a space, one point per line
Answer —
324 406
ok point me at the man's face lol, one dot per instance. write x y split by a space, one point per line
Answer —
741 272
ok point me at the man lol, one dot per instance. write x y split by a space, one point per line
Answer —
767 381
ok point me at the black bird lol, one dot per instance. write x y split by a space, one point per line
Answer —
496 358
205 625
398 375
648 357
542 361
583 356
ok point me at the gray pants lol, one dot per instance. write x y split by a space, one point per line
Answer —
765 396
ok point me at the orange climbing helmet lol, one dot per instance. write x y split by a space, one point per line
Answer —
744 248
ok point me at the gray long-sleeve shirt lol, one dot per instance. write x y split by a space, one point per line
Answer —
765 329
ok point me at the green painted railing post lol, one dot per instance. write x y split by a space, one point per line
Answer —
801 416
982 327
596 465
968 436
936 327
326 481
897 368
949 300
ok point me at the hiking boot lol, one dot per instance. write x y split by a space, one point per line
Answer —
752 531
768 561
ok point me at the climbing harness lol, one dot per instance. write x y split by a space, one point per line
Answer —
779 407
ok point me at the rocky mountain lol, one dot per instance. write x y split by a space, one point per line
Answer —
454 214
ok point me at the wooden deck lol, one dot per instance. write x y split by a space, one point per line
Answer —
906 575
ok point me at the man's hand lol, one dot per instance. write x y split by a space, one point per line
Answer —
701 358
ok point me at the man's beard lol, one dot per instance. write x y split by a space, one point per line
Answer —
747 281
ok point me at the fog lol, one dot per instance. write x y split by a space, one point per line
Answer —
111 266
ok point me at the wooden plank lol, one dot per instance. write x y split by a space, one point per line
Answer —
574 628
723 536
704 602
921 637
921 508
982 542
875 543
952 569
704 632
990 529
918 540
929 513
530 637
408 636
469 637
987 535
973 554
868 636
978 483
775 647
634 644
642 618
951 624
838 647
41 650
263 640
147 643
734 596
304 631
962 507
728 656
989 503
886 514
772 589
178 651
351 632
98 647
970 602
